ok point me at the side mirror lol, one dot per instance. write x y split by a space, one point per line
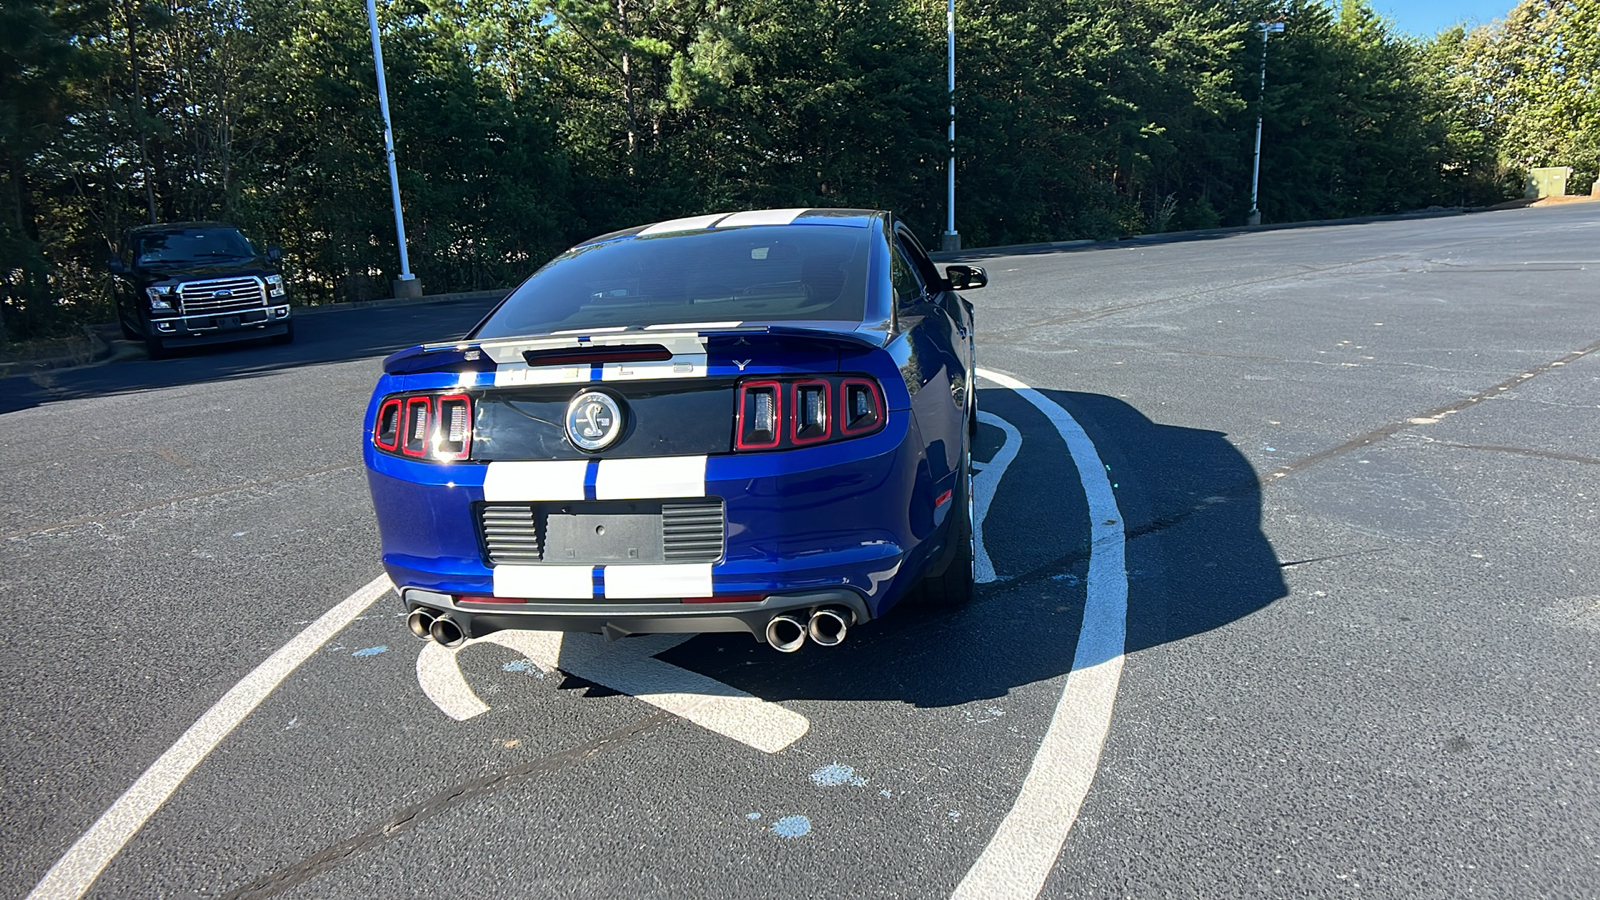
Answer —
966 278
116 266
274 255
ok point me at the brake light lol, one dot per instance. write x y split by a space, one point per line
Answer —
759 419
386 430
773 413
860 406
811 422
425 426
453 440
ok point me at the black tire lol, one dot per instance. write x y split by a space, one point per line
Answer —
127 332
286 338
154 349
952 588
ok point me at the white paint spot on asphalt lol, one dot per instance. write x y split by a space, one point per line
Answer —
836 775
371 651
886 794
1024 848
792 827
752 816
73 874
628 666
984 484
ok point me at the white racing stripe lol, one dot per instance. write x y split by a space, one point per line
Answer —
667 582
75 873
692 223
544 582
511 482
1024 848
651 478
761 217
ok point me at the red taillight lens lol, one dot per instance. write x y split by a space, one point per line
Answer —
759 424
425 426
418 414
860 406
454 438
774 413
811 422
386 430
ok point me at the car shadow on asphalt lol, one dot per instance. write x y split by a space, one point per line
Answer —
330 337
1196 560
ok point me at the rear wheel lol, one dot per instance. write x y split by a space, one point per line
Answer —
953 587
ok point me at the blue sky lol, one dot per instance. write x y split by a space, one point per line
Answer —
1426 17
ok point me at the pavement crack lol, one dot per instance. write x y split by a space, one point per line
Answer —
1431 416
403 821
102 518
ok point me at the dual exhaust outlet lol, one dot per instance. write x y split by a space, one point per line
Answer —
429 625
786 633
827 627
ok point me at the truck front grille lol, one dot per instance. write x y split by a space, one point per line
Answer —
223 295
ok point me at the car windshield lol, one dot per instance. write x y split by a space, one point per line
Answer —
192 244
756 274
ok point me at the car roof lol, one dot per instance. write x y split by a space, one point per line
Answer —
178 226
856 218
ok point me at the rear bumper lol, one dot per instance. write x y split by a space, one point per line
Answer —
618 619
849 524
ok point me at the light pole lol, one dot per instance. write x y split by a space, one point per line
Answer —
407 284
950 240
1255 170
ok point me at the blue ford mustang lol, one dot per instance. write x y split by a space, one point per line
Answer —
758 422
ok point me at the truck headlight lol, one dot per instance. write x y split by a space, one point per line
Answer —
160 299
275 285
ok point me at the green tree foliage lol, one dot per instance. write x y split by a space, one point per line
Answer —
521 128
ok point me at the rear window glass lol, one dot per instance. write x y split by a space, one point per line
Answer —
192 244
757 274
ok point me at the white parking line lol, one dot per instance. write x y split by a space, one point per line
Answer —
628 666
1024 848
984 484
73 874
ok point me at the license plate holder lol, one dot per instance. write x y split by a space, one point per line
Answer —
600 532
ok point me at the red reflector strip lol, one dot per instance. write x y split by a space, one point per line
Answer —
943 499
728 598
490 600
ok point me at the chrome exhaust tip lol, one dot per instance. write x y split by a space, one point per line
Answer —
420 620
829 625
447 632
786 633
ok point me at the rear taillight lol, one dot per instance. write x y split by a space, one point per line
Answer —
860 406
786 412
386 430
759 420
425 426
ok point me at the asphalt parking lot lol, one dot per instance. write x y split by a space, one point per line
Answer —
1293 550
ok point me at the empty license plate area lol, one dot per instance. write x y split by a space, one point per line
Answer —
607 531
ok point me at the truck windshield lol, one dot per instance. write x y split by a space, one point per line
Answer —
758 274
191 244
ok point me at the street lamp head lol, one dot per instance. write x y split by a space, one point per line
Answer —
1270 27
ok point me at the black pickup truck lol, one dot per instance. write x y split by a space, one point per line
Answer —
191 283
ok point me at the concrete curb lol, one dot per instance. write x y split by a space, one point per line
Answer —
1173 237
105 349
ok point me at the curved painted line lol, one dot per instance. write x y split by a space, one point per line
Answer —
1024 848
984 484
76 871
